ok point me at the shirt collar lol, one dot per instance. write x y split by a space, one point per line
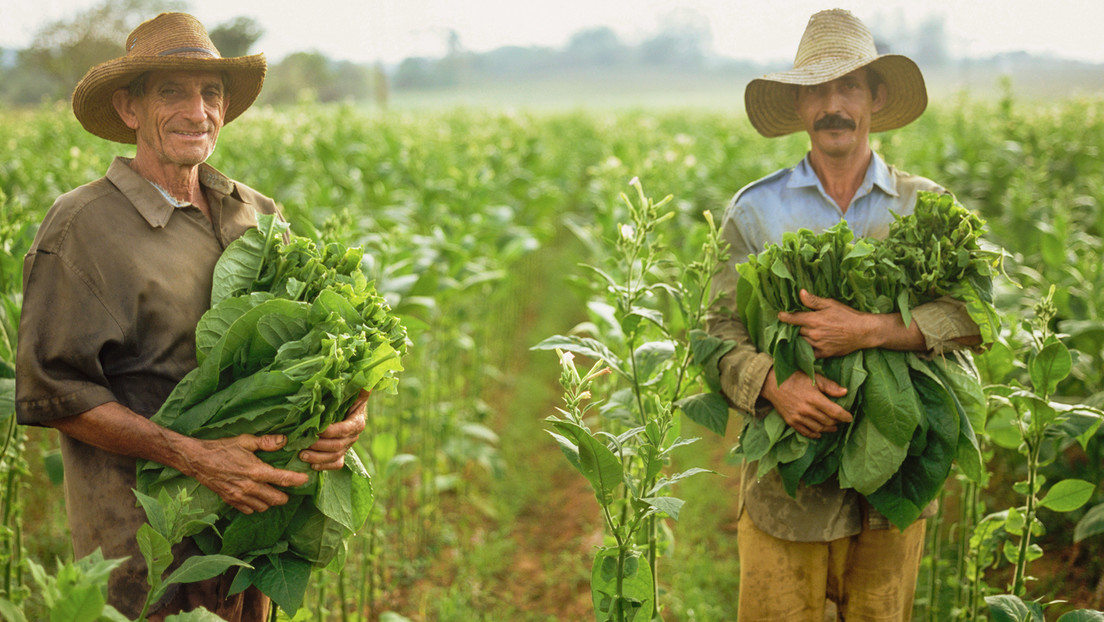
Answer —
877 174
149 200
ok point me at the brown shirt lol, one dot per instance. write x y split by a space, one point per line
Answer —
113 287
757 215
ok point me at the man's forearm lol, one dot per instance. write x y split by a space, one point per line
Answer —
115 428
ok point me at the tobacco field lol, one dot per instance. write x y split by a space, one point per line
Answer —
489 232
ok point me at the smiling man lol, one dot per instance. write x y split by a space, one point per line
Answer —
114 285
827 543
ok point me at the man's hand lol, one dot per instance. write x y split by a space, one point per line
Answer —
328 452
805 405
835 329
228 466
231 468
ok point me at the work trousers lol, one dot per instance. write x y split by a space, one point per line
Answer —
869 577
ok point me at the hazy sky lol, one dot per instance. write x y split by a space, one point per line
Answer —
765 30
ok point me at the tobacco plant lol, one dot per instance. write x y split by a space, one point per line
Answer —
640 344
1040 424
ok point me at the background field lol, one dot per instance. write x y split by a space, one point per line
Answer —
468 203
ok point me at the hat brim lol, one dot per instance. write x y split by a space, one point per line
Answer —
771 105
92 104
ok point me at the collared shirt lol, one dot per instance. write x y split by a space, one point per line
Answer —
758 215
113 287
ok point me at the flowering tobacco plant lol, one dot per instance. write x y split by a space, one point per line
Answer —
647 304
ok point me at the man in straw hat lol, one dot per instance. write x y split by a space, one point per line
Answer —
114 285
827 543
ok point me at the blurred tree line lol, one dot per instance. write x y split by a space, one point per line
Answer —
63 51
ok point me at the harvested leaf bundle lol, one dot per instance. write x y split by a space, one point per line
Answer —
912 416
294 333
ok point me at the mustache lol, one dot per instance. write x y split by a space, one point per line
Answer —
833 122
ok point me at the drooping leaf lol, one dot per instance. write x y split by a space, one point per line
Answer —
709 410
596 461
1091 524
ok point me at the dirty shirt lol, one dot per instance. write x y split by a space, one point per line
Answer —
114 285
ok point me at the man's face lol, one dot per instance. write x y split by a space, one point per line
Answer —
178 117
837 114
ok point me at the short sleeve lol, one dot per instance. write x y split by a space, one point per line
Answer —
58 362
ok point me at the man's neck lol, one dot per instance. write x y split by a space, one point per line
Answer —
181 183
841 176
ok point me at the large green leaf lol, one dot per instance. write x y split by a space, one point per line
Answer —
1050 366
921 475
1091 524
706 409
1010 608
241 263
195 615
596 461
283 578
650 357
586 346
202 567
82 603
868 460
889 400
1068 495
1082 615
635 603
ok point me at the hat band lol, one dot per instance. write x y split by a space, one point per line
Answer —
204 51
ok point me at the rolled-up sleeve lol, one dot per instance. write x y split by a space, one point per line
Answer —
944 322
743 369
63 331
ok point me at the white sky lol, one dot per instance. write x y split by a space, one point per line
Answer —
763 30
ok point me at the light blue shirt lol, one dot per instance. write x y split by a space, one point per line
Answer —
794 198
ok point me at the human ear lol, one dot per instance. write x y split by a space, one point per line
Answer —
880 97
124 106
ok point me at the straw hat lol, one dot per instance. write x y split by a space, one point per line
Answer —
171 41
835 43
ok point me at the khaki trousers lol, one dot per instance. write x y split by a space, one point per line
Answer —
869 577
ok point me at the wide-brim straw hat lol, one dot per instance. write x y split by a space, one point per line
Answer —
170 41
834 44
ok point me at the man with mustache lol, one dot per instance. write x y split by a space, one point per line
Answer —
114 285
826 548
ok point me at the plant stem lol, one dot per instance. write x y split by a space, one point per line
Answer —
1029 519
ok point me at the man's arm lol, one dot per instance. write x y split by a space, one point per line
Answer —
835 329
227 466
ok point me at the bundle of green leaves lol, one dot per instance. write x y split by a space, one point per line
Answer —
294 333
912 415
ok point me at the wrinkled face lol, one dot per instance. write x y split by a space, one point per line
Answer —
178 116
837 114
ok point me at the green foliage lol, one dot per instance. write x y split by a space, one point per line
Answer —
450 204
294 334
647 348
912 416
169 520
1039 424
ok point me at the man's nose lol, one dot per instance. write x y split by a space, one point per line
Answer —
194 108
833 99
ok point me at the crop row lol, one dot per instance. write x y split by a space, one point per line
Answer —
453 207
